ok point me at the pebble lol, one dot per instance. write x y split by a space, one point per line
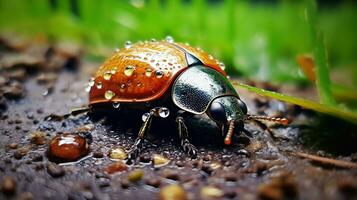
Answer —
279 188
135 175
118 166
8 185
117 154
67 147
124 183
154 182
55 170
13 145
171 174
208 192
13 91
98 154
172 192
38 137
159 160
25 196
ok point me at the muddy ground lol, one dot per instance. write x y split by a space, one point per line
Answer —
40 83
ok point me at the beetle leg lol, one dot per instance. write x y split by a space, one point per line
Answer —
189 148
136 148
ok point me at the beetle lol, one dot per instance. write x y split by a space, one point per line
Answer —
166 77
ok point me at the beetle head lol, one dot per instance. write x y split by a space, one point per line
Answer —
230 113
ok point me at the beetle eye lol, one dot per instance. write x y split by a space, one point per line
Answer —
242 106
217 112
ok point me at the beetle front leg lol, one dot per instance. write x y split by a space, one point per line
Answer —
136 148
189 148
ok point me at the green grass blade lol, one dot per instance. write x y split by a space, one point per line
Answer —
326 109
319 51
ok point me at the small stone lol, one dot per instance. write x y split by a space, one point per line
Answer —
13 91
117 154
254 146
172 192
154 182
124 183
46 78
26 196
85 129
8 185
171 174
21 153
208 192
38 137
118 166
159 160
279 188
98 154
135 175
67 147
55 170
13 145
230 176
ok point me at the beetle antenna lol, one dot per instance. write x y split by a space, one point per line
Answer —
266 118
228 139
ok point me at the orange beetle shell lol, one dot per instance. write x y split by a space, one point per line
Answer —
143 72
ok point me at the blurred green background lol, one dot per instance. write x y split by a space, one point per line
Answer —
258 40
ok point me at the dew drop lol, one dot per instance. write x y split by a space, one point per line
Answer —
107 75
148 72
114 70
88 88
116 50
67 147
164 112
222 66
109 95
145 116
127 44
99 85
91 82
129 70
159 73
169 39
116 105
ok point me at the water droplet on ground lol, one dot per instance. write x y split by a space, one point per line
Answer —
67 147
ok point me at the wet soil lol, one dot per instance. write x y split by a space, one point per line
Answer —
41 83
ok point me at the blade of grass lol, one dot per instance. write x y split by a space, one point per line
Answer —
326 109
320 54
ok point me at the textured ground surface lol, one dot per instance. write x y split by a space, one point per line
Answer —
49 83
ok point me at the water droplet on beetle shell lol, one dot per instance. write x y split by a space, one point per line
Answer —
169 39
129 70
114 70
145 116
127 44
91 82
88 87
99 85
164 112
107 75
109 95
222 66
148 72
116 105
159 73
